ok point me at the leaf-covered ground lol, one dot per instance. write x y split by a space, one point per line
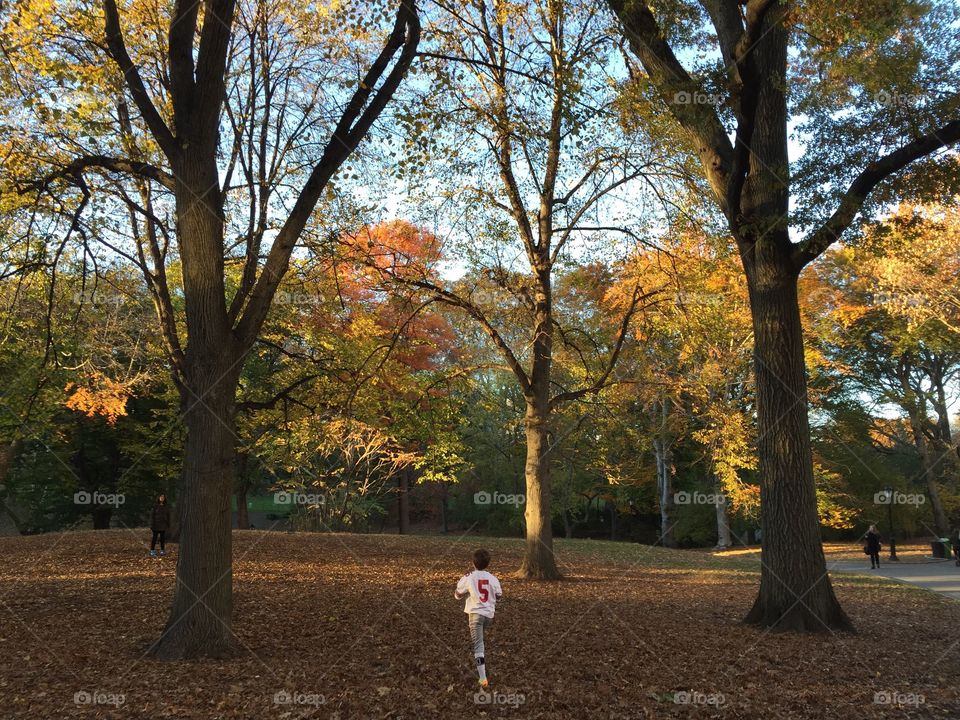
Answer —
346 626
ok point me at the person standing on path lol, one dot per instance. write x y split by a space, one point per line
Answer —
159 524
872 547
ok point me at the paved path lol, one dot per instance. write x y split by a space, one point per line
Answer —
941 576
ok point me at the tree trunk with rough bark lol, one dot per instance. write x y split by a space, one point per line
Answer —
201 615
750 180
207 351
538 561
200 620
795 589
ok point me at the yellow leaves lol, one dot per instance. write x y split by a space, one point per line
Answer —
834 507
505 11
363 327
100 396
911 264
361 443
839 518
728 438
743 498
897 286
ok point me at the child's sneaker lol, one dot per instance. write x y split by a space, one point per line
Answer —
484 684
162 553
153 553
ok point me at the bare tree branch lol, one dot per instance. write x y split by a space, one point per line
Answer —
270 403
601 382
134 83
700 120
448 297
103 162
364 107
877 171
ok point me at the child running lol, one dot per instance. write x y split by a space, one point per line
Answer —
482 590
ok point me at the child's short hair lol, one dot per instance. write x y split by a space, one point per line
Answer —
481 558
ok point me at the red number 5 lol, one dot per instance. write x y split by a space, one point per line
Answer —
482 589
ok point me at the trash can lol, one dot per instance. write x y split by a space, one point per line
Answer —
940 549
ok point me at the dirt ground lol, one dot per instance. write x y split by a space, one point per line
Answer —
350 626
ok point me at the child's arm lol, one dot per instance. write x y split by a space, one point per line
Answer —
462 589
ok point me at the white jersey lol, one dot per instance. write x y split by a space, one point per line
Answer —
482 591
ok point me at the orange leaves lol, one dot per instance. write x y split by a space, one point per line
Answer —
354 313
743 498
396 247
373 255
99 396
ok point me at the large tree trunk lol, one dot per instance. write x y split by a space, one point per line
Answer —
795 589
539 561
217 338
200 618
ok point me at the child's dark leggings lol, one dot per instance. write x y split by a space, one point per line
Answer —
875 559
162 534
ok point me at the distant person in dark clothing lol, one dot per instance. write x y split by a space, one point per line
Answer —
159 523
872 548
955 544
